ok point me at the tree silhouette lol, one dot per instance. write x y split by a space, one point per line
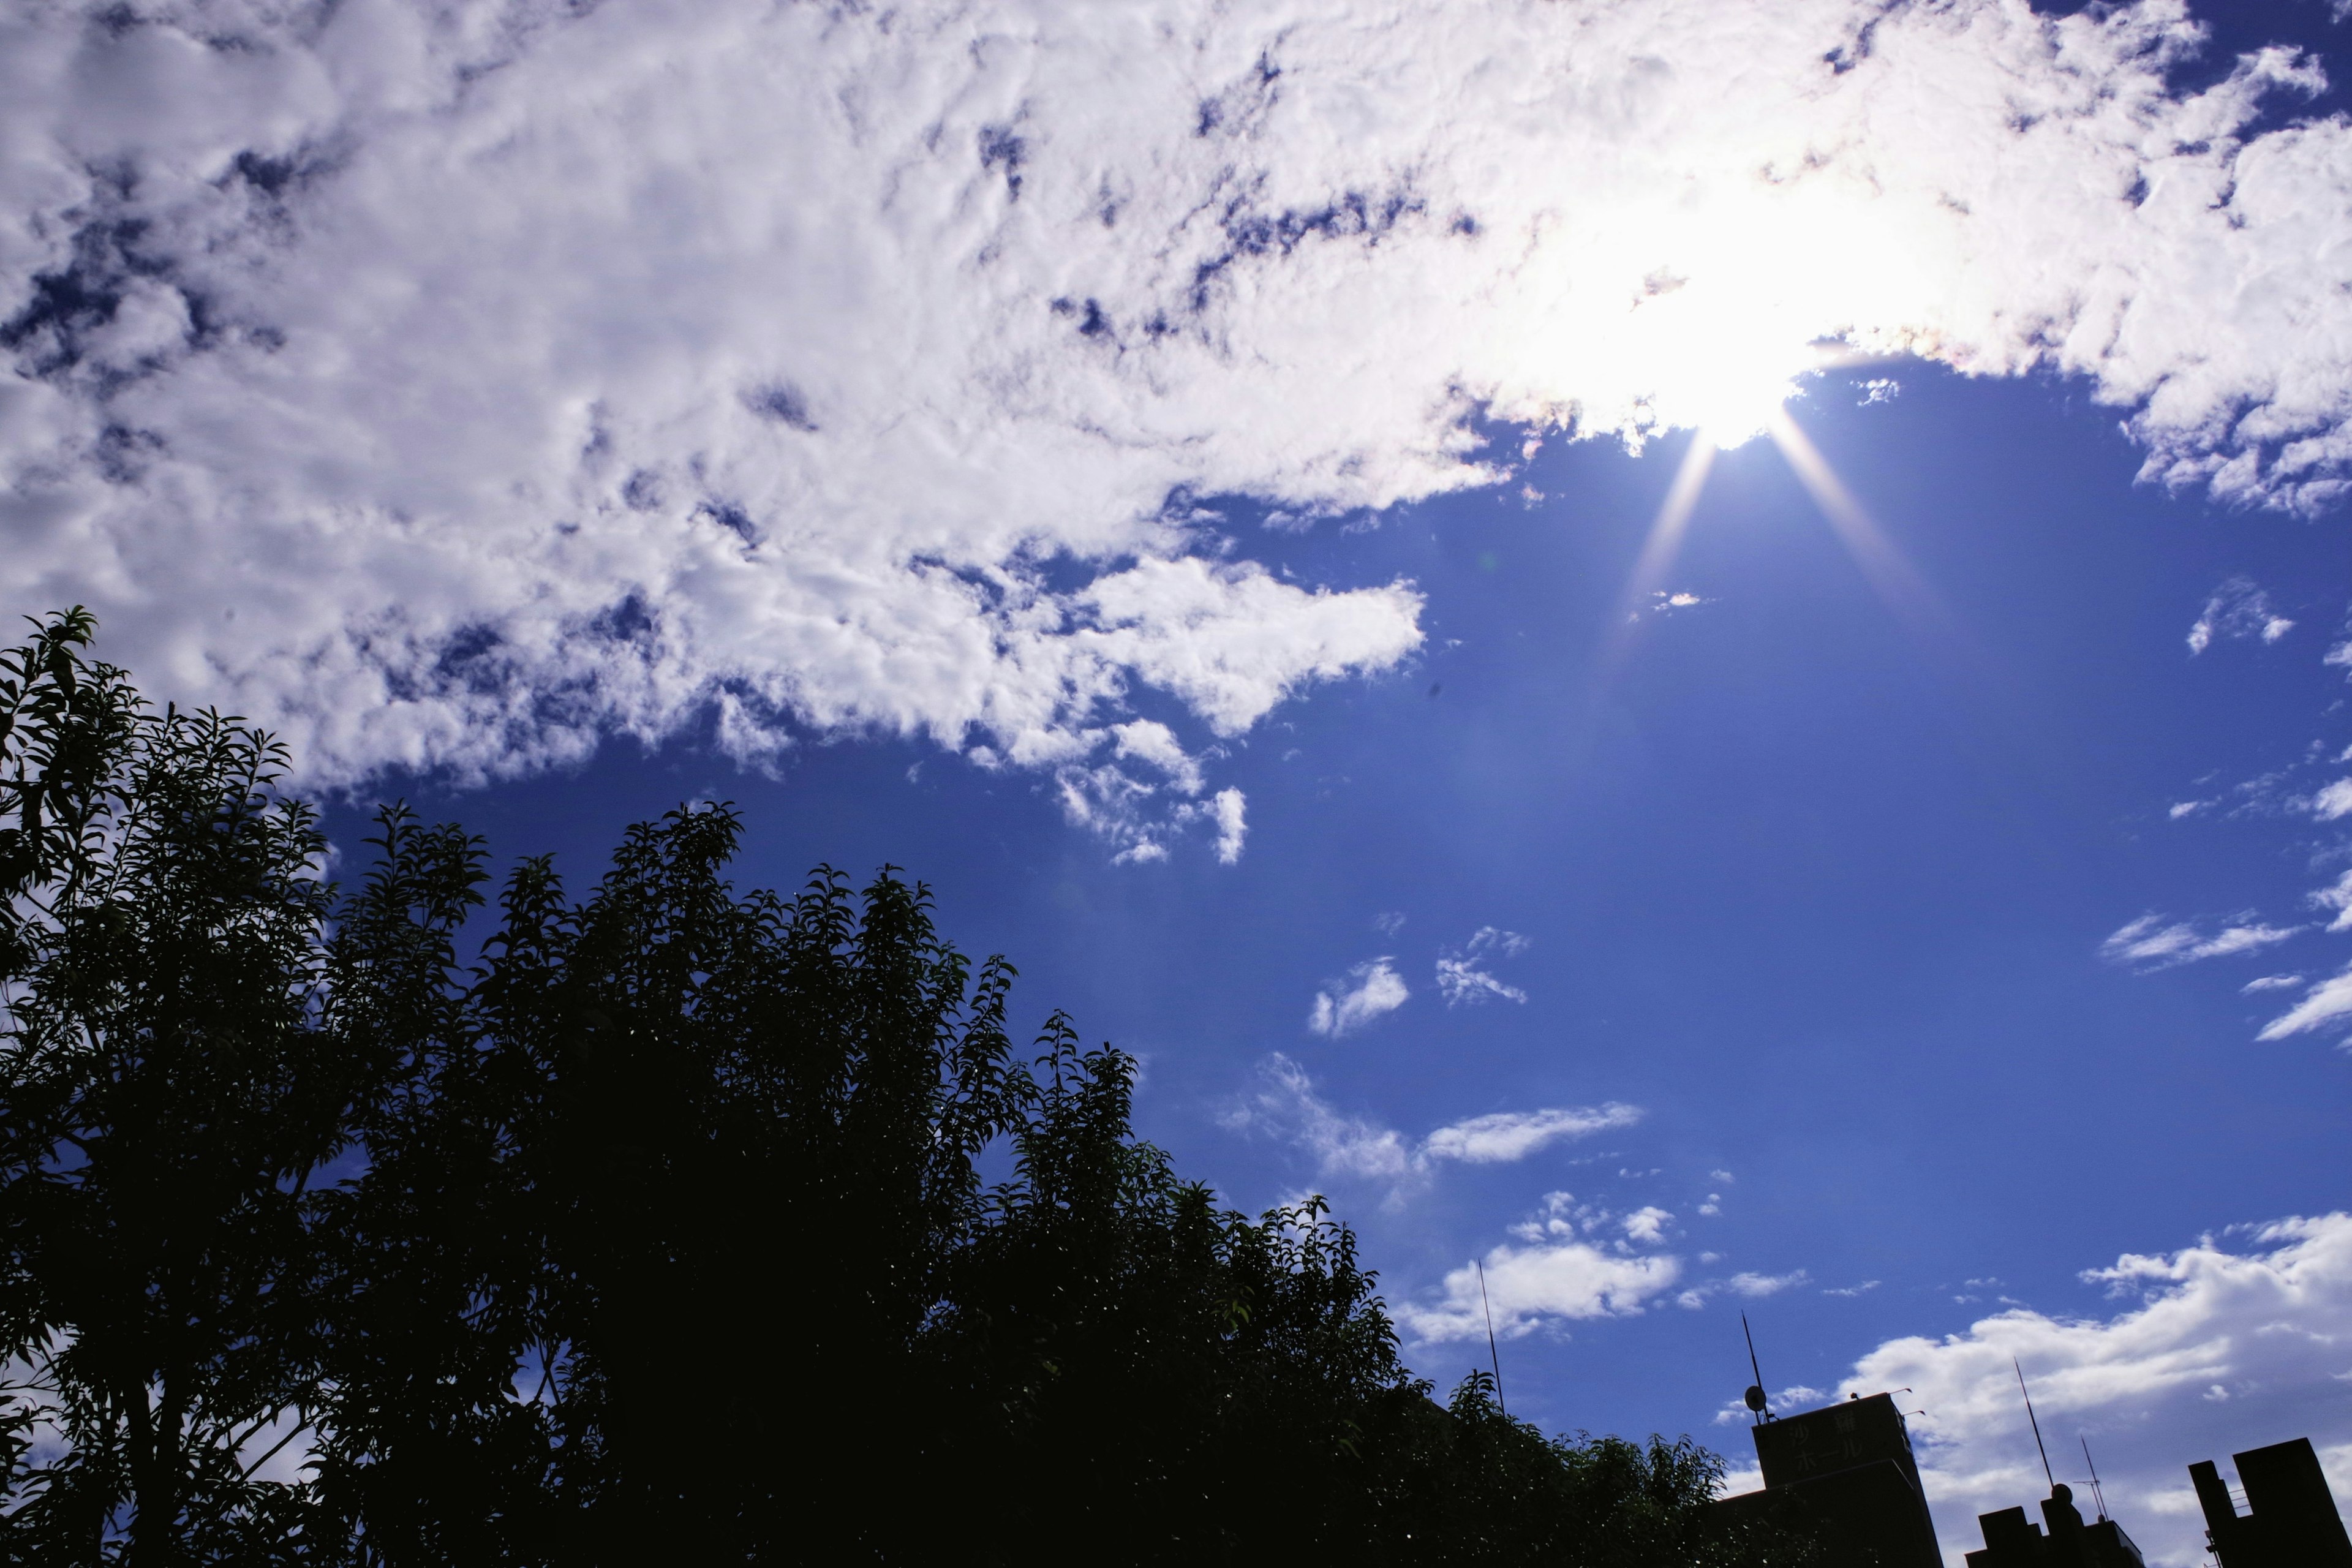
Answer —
658 1227
166 1103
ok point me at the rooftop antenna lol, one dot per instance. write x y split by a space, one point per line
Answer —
1492 1353
2095 1492
2037 1428
1758 1405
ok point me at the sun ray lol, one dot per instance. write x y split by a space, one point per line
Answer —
1659 549
1898 582
1666 531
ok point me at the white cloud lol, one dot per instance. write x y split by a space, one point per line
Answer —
2238 609
1787 1401
2188 808
1371 989
2149 944
2264 1316
1285 1105
1751 1286
1462 974
2327 1001
2338 898
1506 1135
1227 806
2271 983
2333 801
1150 741
1560 1273
454 387
1646 1225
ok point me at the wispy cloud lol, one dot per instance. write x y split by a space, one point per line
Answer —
1462 973
1506 1135
1749 1286
2338 898
1285 1104
2237 609
2328 1002
1371 988
2151 942
1786 1401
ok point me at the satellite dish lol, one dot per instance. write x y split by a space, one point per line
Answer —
1756 1400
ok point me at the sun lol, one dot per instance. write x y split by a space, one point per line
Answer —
1724 360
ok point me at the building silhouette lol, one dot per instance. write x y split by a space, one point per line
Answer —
2292 1521
2013 1541
1844 1475
1843 1478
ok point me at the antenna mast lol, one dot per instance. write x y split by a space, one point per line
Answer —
2037 1426
2094 1475
1492 1353
1758 1402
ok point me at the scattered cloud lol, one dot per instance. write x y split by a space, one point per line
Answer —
409 339
1749 1285
1559 1272
2337 897
2234 1342
1143 818
1388 922
1285 1105
1371 989
2271 983
1462 975
1665 604
2188 808
1864 1288
1787 1401
2238 609
2149 944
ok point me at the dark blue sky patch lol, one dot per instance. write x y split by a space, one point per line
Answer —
784 403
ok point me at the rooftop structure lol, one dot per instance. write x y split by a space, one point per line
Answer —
2012 1540
1844 1475
2292 1521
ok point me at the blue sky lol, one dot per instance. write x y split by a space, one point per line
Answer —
1819 888
1181 494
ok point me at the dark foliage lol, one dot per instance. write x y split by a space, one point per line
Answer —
654 1230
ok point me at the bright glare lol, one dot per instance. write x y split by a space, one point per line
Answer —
1726 355
1734 293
